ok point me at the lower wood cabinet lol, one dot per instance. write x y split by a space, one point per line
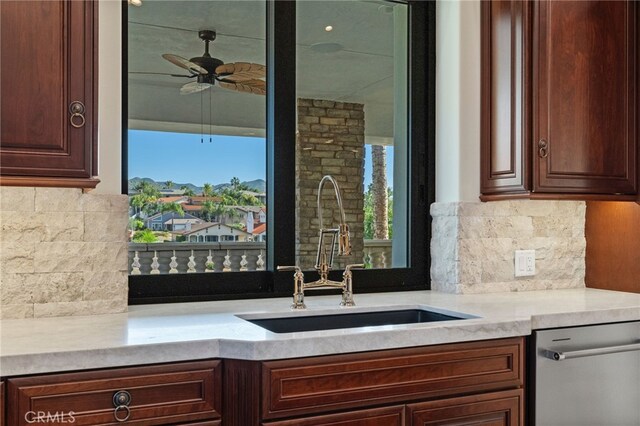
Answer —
172 394
489 409
386 416
467 383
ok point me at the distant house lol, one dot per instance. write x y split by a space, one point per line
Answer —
181 224
176 199
261 196
162 221
259 233
213 232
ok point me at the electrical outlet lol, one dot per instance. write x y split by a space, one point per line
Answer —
525 263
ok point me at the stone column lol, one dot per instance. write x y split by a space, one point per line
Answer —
330 141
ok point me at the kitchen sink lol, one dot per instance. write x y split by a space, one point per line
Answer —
293 324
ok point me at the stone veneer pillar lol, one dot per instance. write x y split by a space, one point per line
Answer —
330 141
62 252
473 245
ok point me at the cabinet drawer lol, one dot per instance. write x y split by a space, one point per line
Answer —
165 394
386 416
493 409
312 385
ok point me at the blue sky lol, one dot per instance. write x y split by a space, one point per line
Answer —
181 158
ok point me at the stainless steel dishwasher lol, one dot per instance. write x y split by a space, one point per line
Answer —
587 376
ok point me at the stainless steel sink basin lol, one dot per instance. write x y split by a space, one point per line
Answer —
293 324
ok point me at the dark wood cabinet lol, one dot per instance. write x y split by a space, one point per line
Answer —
492 409
2 410
559 99
386 416
370 388
155 395
48 80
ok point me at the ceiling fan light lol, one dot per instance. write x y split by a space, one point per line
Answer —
328 28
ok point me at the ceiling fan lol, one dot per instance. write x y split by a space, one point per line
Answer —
240 76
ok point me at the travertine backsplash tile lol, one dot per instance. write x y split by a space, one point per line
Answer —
473 245
62 252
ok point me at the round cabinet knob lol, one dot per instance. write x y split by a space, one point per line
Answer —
543 148
76 109
121 398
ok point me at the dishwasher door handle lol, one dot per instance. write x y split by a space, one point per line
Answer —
560 356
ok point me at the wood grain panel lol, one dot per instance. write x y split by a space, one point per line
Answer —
166 394
48 59
2 410
493 409
613 246
313 385
585 59
241 393
505 94
387 416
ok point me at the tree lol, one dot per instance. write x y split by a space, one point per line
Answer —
172 208
144 236
235 183
368 213
187 191
380 199
168 184
211 209
146 197
207 190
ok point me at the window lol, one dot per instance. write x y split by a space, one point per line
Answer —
348 91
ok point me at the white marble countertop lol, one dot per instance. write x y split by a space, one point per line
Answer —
187 331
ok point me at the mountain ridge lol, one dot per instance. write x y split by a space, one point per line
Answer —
257 184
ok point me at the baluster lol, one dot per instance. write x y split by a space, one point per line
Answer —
173 265
226 265
135 266
243 262
368 259
191 265
155 266
260 262
383 260
209 266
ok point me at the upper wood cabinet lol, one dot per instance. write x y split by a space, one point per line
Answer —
559 99
48 67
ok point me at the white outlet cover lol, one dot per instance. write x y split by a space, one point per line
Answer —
525 263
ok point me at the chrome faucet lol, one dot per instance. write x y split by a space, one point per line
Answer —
324 262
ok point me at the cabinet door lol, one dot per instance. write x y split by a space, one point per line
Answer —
386 416
170 394
47 62
506 90
585 105
494 409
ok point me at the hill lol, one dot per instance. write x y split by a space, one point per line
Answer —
258 184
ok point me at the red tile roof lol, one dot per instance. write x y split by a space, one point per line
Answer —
260 229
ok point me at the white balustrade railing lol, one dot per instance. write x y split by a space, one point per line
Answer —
180 258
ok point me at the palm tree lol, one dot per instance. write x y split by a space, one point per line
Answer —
146 198
187 191
207 190
168 184
173 208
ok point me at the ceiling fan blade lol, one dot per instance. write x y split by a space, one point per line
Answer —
184 63
257 87
161 73
194 87
241 71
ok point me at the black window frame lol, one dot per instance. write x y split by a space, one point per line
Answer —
281 109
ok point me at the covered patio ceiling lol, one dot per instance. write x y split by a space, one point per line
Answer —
362 70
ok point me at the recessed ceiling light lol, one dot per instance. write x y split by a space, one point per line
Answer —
328 28
135 2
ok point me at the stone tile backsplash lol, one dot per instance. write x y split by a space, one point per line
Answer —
62 252
473 244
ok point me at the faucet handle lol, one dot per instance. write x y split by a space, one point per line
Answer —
296 269
348 268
